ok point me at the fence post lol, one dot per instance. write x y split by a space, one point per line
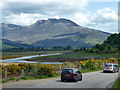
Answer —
53 67
103 64
36 70
70 65
22 72
95 64
59 68
67 65
5 74
73 65
80 67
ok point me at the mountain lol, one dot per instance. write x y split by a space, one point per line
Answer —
53 32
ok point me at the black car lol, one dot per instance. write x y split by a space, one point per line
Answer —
71 74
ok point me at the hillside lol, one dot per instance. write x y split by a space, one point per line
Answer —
111 45
53 32
7 44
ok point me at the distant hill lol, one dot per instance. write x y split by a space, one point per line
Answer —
11 44
53 32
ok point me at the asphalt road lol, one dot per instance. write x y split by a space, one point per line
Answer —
90 80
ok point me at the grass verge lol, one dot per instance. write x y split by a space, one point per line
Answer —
116 84
87 70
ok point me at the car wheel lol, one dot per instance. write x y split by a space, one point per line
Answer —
103 71
62 80
80 79
118 70
75 80
113 71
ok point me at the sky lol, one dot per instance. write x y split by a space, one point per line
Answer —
87 13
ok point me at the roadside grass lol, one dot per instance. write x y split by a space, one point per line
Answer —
26 77
116 84
39 77
87 70
9 79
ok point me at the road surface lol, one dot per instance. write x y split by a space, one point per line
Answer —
90 80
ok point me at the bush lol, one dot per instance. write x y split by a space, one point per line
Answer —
90 64
82 64
26 67
46 70
112 60
11 69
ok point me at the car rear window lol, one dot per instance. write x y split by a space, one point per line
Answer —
108 65
67 71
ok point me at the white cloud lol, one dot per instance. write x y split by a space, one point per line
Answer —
82 18
105 19
105 15
24 19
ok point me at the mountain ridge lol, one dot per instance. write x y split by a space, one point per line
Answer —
53 30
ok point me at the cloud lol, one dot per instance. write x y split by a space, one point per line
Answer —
105 19
46 7
13 10
24 19
82 18
105 15
29 11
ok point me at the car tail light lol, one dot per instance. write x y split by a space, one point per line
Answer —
111 67
73 74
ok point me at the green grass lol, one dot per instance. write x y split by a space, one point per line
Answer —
39 77
87 70
29 78
10 79
116 84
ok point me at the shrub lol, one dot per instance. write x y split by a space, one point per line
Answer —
82 64
112 60
11 69
46 70
90 64
26 67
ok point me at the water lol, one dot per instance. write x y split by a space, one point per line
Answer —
21 59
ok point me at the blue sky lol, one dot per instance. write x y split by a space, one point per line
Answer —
97 15
94 6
